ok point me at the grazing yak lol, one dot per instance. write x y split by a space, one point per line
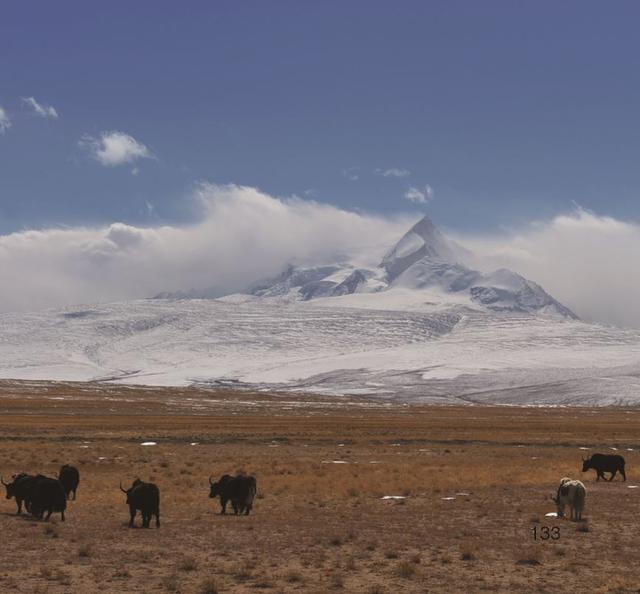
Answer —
70 479
21 487
48 496
571 492
602 463
144 497
240 490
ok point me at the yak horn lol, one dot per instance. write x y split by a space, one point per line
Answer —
123 490
1 481
210 481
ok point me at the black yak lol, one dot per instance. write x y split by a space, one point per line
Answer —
21 487
70 479
48 496
602 463
146 498
240 490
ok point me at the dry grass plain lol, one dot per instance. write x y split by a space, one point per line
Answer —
476 482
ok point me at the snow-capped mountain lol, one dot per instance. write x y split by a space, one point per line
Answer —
423 259
420 326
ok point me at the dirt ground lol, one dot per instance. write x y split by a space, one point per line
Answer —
476 482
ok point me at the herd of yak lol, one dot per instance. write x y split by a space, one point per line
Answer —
41 494
572 493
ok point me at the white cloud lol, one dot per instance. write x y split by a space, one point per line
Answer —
351 173
114 148
44 111
419 195
586 261
242 235
5 120
393 172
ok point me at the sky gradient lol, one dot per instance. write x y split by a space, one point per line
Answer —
484 114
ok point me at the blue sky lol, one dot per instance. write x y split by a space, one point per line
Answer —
494 113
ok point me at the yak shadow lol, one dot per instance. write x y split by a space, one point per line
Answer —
22 516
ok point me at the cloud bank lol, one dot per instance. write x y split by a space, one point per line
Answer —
243 235
114 148
588 262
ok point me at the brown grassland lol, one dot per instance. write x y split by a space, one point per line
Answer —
477 480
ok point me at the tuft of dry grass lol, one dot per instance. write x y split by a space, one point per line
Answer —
243 572
208 586
171 582
337 580
405 569
529 557
293 577
85 550
188 564
55 575
467 555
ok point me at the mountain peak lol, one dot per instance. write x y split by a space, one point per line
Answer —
424 239
424 227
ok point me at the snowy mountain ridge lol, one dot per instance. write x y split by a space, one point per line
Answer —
423 259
